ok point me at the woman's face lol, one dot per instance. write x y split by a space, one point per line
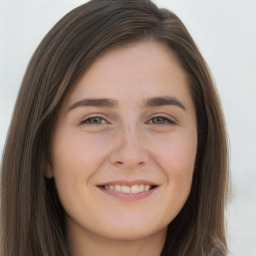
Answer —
124 146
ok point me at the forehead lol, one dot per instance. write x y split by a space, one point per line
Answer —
146 69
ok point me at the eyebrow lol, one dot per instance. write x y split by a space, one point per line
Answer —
94 102
111 103
162 101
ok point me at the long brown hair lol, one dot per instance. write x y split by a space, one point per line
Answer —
32 218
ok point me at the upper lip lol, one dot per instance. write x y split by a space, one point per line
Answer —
128 183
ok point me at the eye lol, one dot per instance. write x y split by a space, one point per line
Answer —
161 120
95 120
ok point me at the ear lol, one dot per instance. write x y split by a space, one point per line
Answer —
49 171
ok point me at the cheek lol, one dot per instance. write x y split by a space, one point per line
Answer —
176 157
182 154
76 157
74 152
177 153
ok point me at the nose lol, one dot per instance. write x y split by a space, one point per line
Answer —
129 150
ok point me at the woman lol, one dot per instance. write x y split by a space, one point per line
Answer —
117 143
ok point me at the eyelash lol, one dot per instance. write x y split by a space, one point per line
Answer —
165 120
87 120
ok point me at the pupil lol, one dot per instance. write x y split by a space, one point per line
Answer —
95 120
158 120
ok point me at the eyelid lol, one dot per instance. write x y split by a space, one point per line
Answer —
95 115
170 120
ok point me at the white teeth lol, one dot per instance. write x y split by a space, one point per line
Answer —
127 189
117 188
135 189
147 187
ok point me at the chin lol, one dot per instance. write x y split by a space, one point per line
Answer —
132 231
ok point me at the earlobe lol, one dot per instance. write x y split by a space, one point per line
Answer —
49 171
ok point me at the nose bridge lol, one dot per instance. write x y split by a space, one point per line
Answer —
132 137
130 150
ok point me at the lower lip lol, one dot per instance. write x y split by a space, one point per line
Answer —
129 196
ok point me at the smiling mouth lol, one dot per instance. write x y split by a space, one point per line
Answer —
134 189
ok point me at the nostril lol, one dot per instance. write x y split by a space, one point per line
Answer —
127 157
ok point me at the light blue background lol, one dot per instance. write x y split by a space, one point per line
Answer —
225 31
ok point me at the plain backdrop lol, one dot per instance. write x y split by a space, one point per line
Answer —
225 32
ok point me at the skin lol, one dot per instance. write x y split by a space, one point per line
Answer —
128 141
